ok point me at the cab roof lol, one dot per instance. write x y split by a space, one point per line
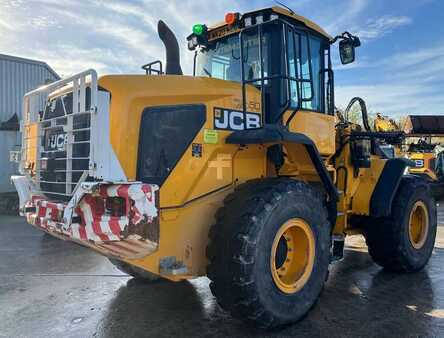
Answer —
284 12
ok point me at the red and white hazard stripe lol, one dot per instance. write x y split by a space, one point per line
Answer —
95 226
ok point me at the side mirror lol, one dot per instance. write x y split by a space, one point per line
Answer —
347 49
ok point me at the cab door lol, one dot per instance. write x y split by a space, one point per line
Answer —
306 62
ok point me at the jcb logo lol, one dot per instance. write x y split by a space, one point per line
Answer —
235 120
57 141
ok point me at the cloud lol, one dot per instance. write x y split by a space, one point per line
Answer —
130 9
110 28
406 82
416 57
5 25
42 22
394 99
340 16
116 28
377 28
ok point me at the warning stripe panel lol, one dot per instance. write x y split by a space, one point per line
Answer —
96 226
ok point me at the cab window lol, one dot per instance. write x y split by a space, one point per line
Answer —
305 62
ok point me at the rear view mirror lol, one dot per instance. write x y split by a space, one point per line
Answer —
347 45
347 51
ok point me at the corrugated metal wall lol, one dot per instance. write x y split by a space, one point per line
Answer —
17 77
9 140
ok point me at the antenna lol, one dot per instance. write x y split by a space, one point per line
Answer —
283 5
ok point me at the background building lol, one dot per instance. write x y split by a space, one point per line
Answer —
17 77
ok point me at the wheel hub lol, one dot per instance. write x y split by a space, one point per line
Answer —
418 225
292 256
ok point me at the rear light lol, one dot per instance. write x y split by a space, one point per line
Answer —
44 164
107 206
115 206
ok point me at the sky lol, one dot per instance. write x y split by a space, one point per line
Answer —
399 68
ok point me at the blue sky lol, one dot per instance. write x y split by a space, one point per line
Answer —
400 67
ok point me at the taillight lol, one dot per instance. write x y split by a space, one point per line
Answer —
115 206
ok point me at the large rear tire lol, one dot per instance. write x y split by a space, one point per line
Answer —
404 241
269 251
134 271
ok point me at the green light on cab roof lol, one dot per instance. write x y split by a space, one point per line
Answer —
198 29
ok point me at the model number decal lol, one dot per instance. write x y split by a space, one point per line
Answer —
227 119
419 163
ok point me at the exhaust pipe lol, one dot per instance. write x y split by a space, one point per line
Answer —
172 49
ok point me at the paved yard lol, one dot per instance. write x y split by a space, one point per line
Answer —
54 288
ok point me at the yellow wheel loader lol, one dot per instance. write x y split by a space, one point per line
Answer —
424 135
420 141
241 172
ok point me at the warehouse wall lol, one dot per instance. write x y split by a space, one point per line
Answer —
17 77
10 140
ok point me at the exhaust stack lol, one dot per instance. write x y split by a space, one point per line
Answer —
172 49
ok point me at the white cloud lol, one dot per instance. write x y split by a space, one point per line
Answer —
407 82
42 22
130 9
415 57
5 25
342 15
395 98
377 28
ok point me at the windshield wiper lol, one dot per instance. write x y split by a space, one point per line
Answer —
207 72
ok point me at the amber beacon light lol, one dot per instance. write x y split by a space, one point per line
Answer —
231 18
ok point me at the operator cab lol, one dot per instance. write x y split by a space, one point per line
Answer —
285 56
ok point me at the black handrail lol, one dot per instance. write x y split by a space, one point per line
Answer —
148 68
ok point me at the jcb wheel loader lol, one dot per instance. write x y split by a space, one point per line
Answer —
424 135
240 172
418 140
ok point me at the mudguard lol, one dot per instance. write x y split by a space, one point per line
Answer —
275 134
388 183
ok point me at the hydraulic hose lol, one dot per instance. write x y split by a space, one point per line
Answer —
363 111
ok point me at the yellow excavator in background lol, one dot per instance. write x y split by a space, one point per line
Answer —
385 124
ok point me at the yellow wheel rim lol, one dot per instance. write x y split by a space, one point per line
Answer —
293 255
418 225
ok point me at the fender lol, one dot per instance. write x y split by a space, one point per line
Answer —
277 134
388 183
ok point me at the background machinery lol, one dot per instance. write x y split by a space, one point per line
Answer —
424 136
240 172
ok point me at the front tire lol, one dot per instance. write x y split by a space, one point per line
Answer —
269 251
404 241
